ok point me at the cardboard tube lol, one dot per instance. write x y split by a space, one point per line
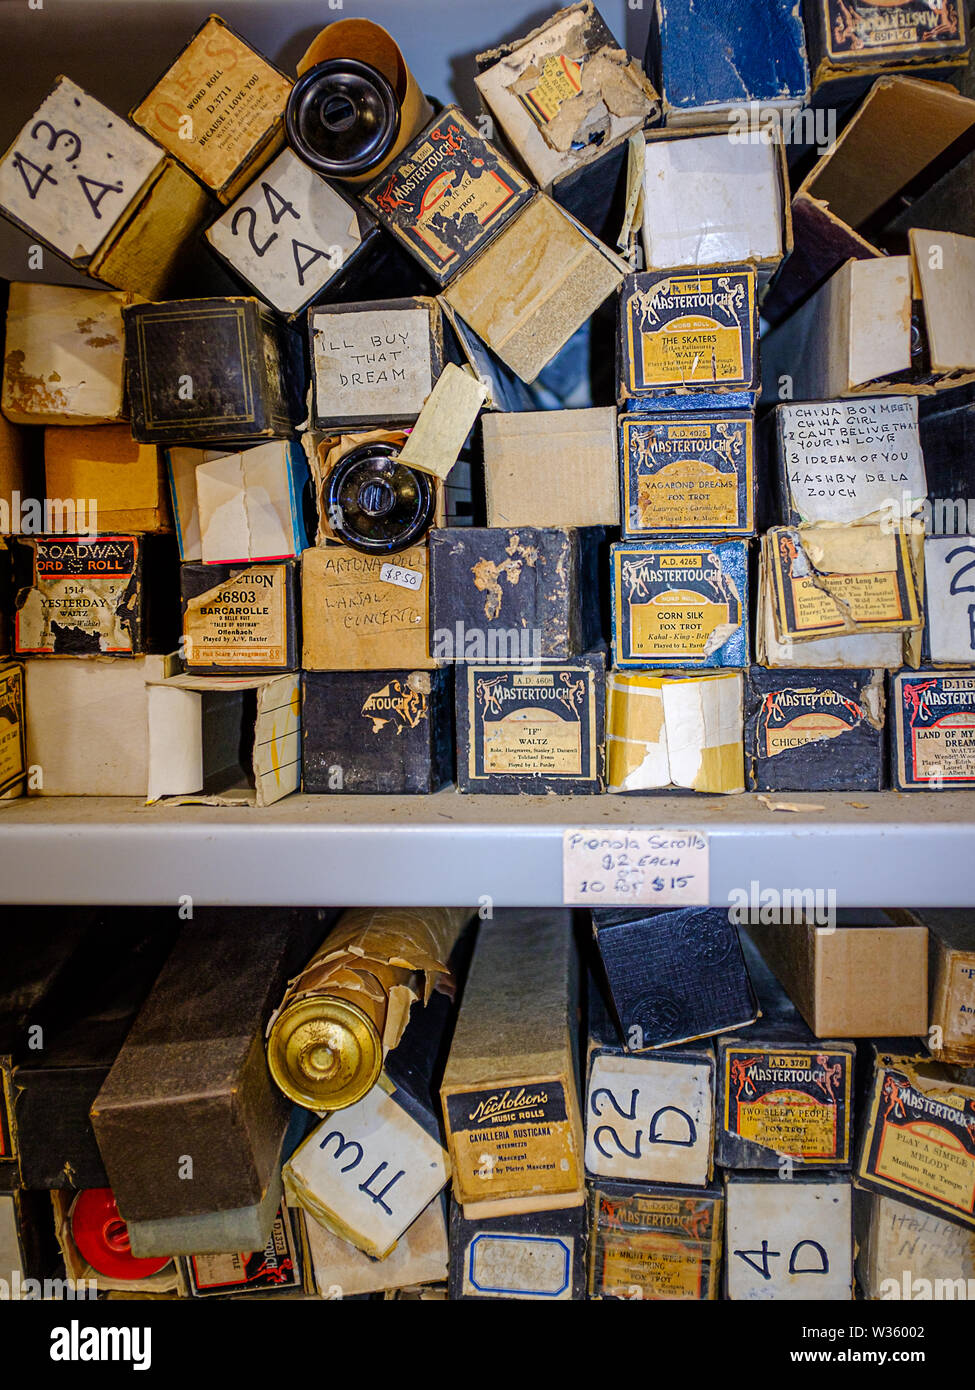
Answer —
370 43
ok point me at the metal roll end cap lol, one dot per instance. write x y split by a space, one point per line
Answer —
324 1054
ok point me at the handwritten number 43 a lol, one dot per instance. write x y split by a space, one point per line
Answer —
766 1254
35 177
277 207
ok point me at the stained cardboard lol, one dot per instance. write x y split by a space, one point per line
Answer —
104 465
364 612
654 1241
952 977
674 730
240 619
551 468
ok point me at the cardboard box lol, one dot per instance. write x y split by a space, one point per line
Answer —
932 730
680 605
851 44
224 134
789 1240
688 340
213 1233
565 93
951 934
511 1078
815 730
363 612
551 468
903 1253
531 731
114 205
687 475
275 1267
15 454
64 356
674 975
648 1118
674 730
950 628
224 740
713 199
339 1270
867 978
106 468
538 1255
181 466
754 55
251 505
450 193
100 595
291 265
946 429
88 730
28 1252
652 1241
100 988
374 362
514 593
534 286
918 1137
13 730
240 619
191 1078
381 732
896 139
201 370
833 580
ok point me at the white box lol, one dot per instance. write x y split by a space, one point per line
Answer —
789 1240
650 1119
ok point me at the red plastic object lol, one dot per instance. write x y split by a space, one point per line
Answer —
102 1237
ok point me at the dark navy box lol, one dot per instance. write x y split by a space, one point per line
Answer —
539 1256
687 474
932 730
241 620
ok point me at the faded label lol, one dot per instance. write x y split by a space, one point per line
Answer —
859 29
242 622
694 330
274 1267
512 1142
83 600
654 1246
532 722
371 362
13 759
793 716
502 1265
923 1141
811 603
649 1120
663 867
679 606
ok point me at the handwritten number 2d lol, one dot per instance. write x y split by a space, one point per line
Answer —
766 1254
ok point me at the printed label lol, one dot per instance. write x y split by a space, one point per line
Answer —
694 330
502 1265
73 171
871 600
82 600
532 722
242 622
655 1247
649 1119
231 98
371 362
274 1267
287 234
687 477
859 29
662 867
793 1102
404 578
790 1240
679 607
792 717
959 1019
923 1142
13 753
399 704
936 729
512 1142
559 81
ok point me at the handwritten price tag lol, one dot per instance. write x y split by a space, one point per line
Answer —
396 574
634 867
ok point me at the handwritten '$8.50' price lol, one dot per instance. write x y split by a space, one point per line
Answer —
661 867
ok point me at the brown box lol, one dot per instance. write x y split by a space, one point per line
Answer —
866 978
190 1092
104 464
228 99
13 462
551 468
534 286
951 966
365 612
510 1088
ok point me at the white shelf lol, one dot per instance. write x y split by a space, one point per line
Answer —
873 850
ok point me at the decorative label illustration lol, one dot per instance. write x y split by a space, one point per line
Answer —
795 1102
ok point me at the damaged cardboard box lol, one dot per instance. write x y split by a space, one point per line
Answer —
950 628
274 1268
240 619
365 612
533 1256
852 42
100 194
531 730
251 505
64 356
815 730
676 604
338 1269
932 734
952 973
655 1241
121 483
687 474
904 1253
789 1240
218 109
674 730
551 468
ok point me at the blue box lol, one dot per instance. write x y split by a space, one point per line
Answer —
679 605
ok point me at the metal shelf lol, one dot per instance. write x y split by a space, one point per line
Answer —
875 849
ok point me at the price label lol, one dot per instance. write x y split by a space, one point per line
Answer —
73 171
634 867
406 579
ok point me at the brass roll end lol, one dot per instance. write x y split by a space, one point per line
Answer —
324 1053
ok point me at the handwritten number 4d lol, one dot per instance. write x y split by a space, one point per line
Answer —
766 1254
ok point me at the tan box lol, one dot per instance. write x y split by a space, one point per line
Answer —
13 463
951 966
365 612
13 736
103 464
337 1269
903 1253
510 1091
868 978
552 468
535 284
230 102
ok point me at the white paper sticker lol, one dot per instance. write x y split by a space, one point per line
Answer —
949 572
649 1119
633 865
73 171
396 574
790 1240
